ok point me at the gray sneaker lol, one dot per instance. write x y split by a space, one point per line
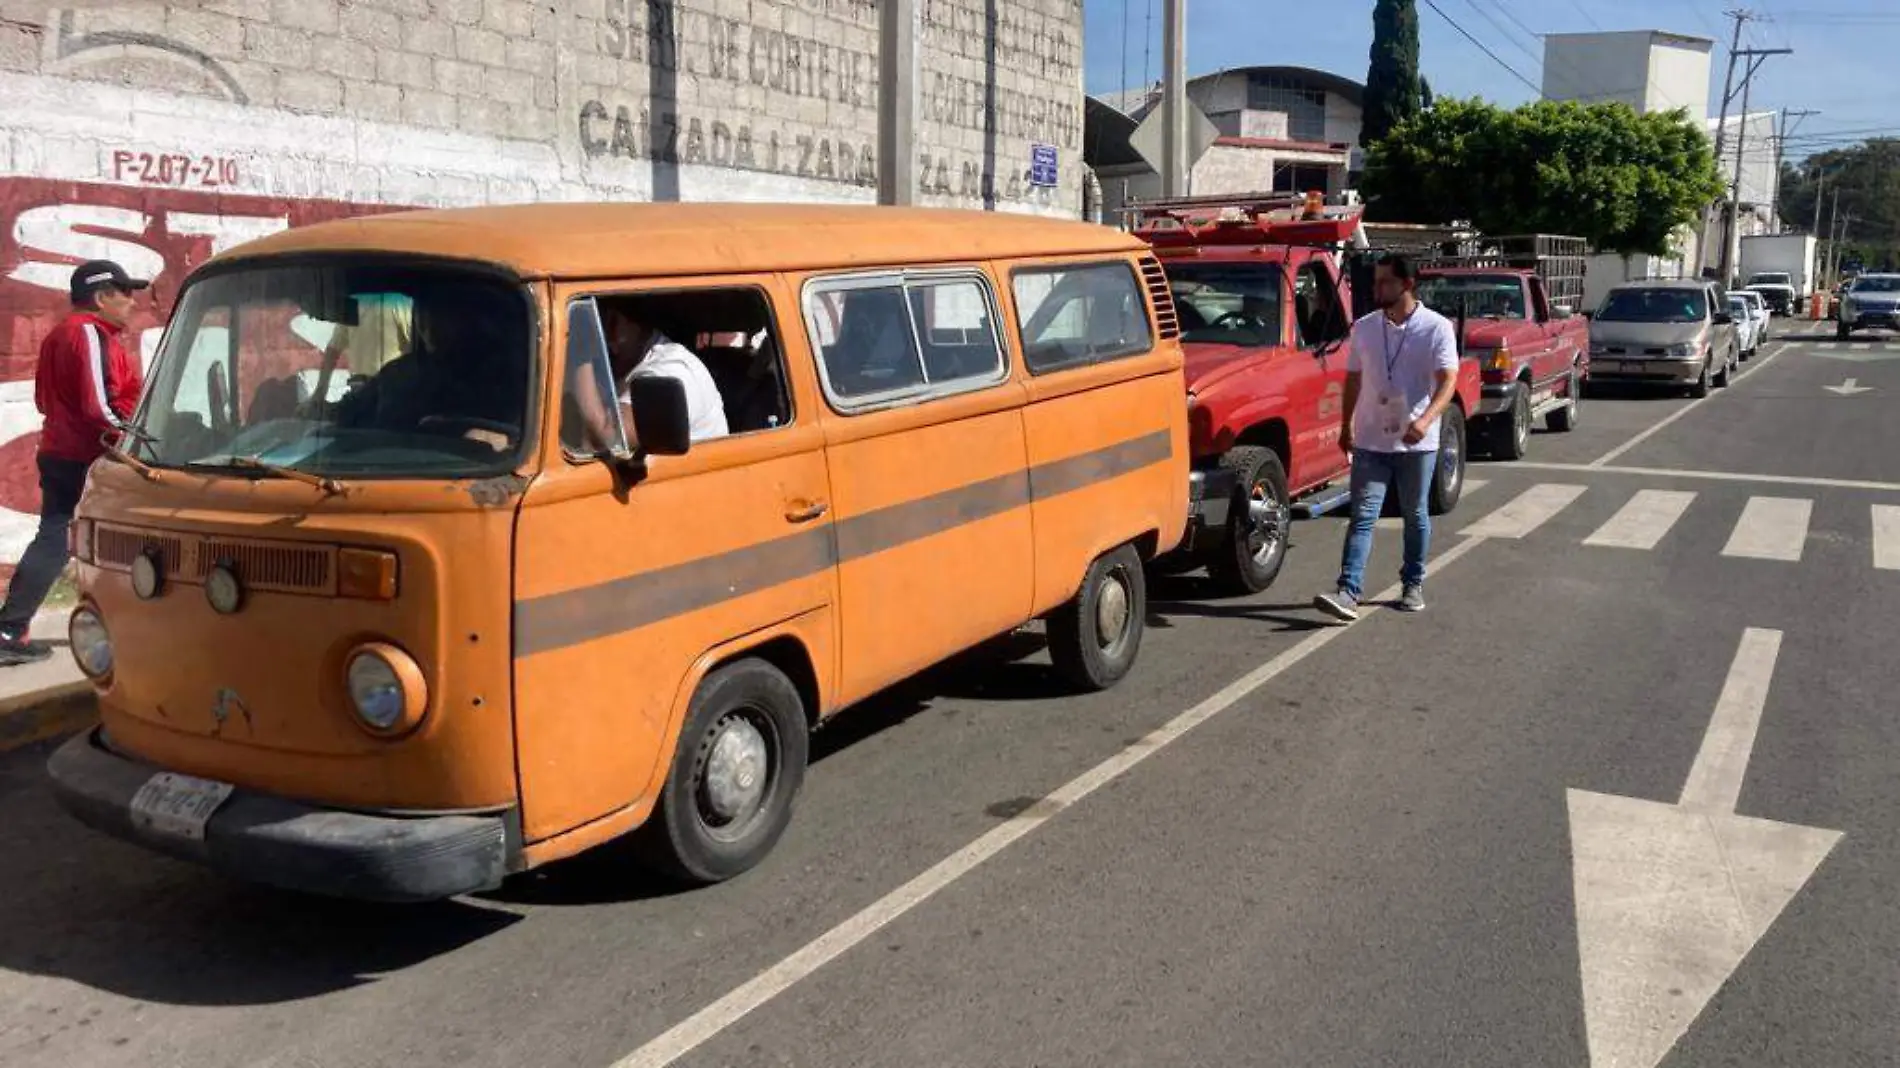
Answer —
1413 600
1339 604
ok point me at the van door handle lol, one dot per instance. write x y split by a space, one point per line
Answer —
807 513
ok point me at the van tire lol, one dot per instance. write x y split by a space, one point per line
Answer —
1113 593
737 708
1237 566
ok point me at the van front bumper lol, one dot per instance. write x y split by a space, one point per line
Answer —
264 839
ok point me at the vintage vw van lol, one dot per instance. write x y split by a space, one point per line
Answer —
447 544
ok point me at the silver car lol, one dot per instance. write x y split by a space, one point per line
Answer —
1872 300
1665 332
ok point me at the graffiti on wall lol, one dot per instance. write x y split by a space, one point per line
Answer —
158 231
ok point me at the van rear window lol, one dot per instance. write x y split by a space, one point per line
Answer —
1080 315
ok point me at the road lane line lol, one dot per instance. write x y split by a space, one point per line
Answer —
1642 522
1771 528
1712 476
694 1031
1715 781
1526 512
1886 537
1778 348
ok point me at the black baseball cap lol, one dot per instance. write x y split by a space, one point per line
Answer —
94 275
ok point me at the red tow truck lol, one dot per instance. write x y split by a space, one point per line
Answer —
1517 297
1265 313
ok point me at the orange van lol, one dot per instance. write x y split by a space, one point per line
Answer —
447 544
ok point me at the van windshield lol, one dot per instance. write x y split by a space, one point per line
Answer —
1674 305
342 369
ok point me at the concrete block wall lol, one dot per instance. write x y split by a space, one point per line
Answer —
160 133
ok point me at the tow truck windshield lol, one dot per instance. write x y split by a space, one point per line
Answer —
341 370
1227 303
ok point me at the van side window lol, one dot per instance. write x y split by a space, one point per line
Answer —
896 338
720 342
1075 316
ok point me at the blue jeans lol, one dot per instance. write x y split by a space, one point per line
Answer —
1373 473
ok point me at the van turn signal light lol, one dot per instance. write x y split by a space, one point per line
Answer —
366 574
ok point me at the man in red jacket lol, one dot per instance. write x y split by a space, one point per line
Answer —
87 387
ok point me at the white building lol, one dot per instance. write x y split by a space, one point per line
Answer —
1651 71
1749 141
1284 129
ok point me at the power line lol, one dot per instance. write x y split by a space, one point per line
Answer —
1499 26
1466 34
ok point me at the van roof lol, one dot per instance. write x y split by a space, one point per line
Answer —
570 240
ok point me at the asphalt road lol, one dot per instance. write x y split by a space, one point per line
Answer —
1274 844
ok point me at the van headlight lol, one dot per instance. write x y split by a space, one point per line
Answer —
1683 351
386 687
92 644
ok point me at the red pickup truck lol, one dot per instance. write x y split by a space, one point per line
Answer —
1518 309
1265 314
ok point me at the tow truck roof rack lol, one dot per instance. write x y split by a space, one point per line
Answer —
1243 219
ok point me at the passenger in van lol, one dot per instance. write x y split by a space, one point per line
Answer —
635 349
455 373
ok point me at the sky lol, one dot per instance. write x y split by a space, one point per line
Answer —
1843 66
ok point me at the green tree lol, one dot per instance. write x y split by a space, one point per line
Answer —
1625 182
1394 90
1867 176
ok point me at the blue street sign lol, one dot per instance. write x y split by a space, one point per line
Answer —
1042 165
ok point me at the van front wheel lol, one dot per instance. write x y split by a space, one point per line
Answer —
1094 638
739 764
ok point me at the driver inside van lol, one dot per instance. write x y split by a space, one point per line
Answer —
455 378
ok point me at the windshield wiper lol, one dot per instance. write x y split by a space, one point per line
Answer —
146 471
329 486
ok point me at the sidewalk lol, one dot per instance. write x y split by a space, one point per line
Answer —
45 700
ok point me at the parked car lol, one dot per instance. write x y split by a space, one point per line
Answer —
1777 288
1665 332
1533 356
1747 326
1872 300
1265 311
1758 307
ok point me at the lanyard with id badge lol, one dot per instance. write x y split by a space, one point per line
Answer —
1393 410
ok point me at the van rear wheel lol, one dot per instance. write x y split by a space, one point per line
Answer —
1093 639
737 768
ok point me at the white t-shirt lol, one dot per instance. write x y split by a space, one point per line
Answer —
705 409
1397 363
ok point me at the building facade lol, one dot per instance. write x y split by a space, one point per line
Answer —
1282 129
160 133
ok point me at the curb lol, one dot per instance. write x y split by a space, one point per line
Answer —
67 708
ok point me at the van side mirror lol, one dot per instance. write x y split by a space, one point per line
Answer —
661 421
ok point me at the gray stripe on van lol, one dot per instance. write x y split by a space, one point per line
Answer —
557 620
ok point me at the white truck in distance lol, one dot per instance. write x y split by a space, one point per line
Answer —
1781 268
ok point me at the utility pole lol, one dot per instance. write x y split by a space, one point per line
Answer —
1721 132
1781 147
1820 187
1174 98
1833 238
1731 237
897 103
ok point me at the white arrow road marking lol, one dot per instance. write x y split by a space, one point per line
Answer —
1671 898
1849 387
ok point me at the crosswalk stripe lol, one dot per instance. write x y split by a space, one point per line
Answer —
1861 346
1887 537
1642 522
1771 528
1526 512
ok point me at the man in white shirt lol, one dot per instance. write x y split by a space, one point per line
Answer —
1401 375
638 350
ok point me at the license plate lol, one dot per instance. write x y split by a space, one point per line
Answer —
177 805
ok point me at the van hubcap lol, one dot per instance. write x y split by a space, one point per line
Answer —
1111 611
737 770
